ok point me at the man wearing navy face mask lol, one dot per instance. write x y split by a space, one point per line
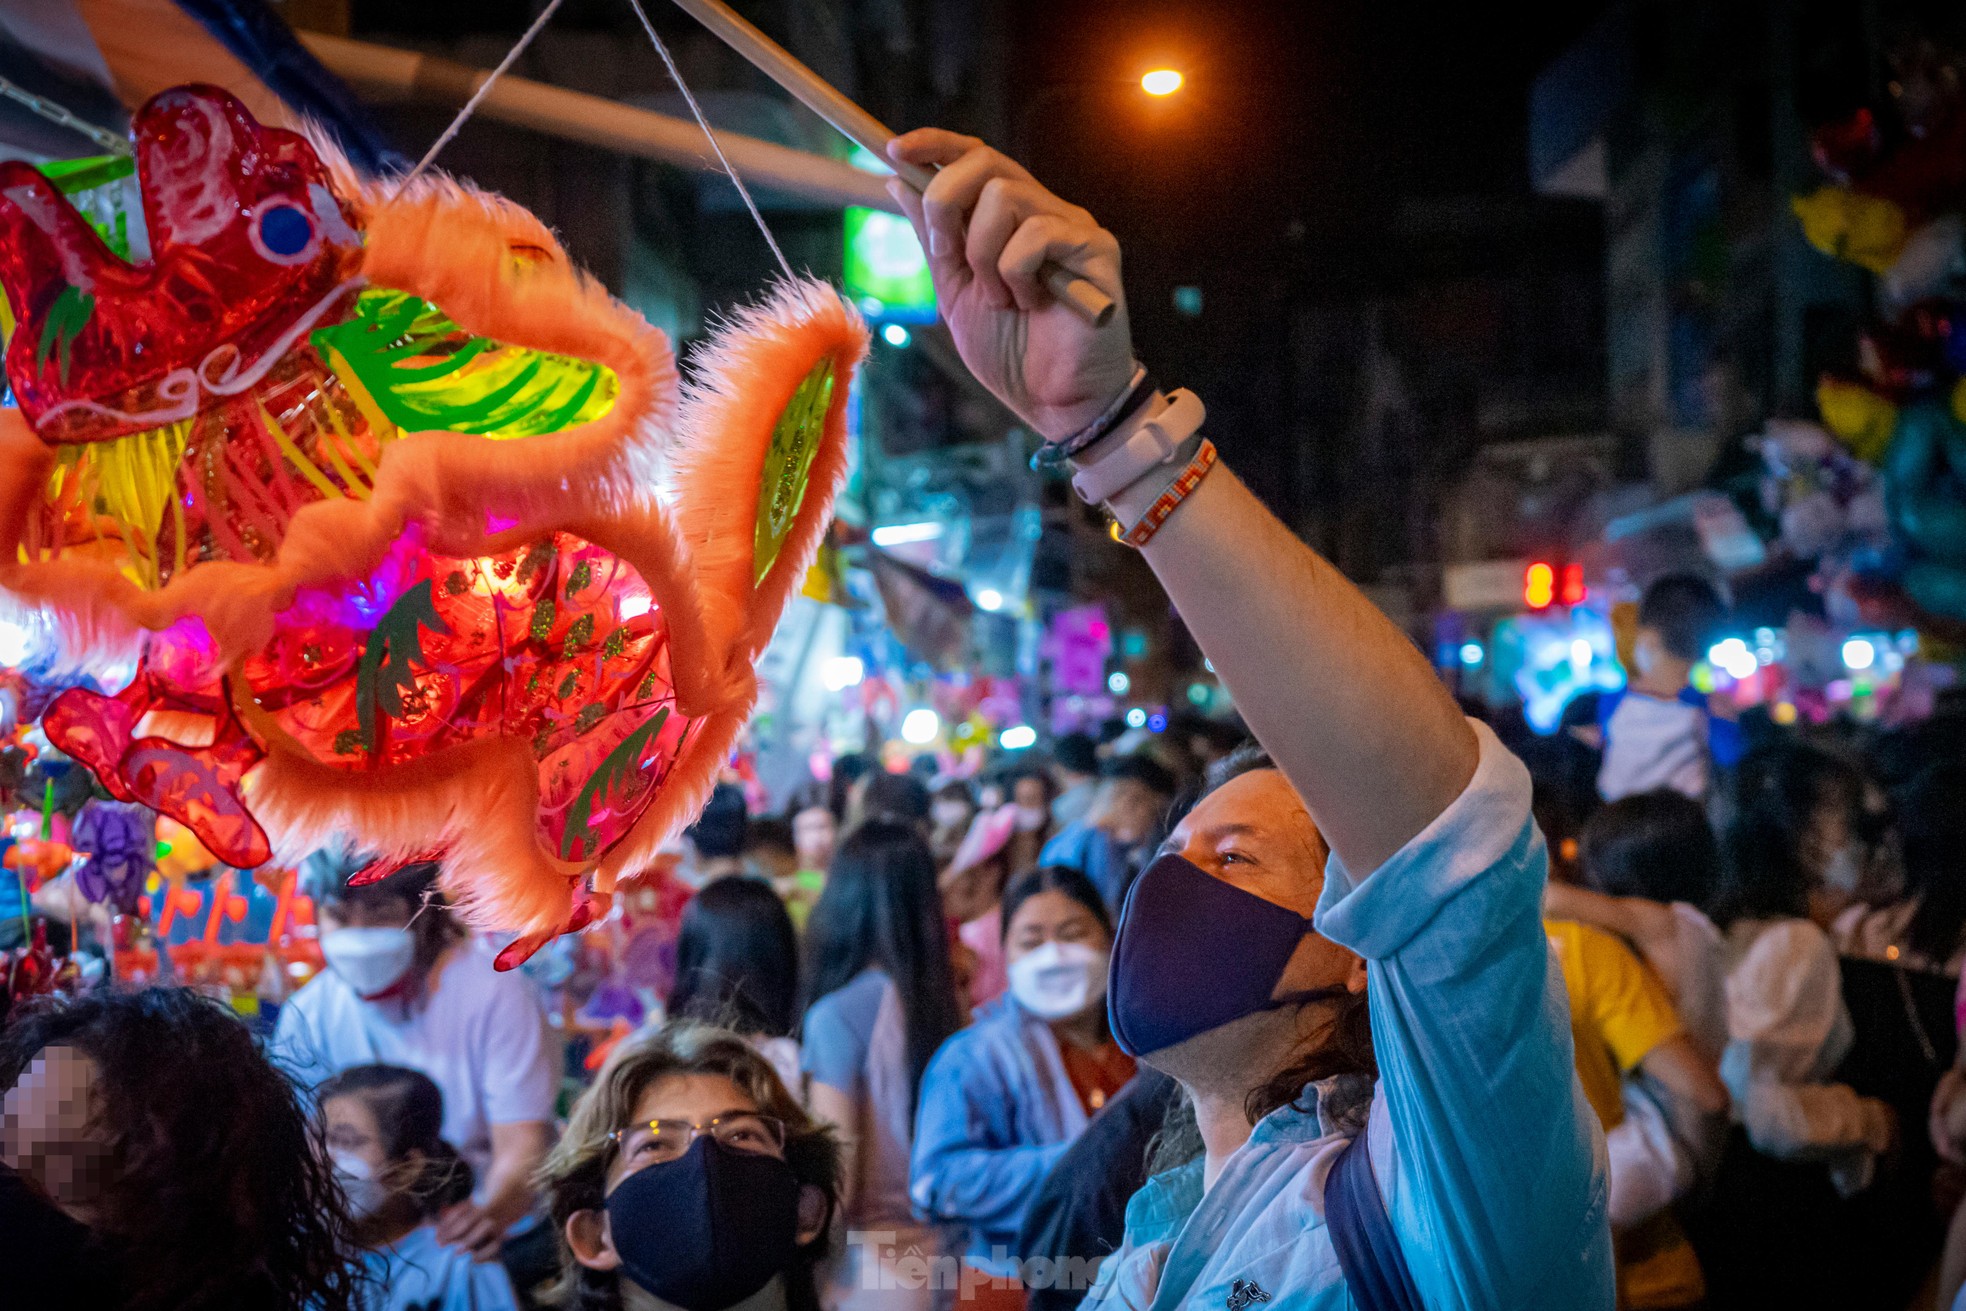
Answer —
1340 956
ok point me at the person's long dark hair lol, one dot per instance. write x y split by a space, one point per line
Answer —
737 959
880 909
219 1194
1777 793
1932 832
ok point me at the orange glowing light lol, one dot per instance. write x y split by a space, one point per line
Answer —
1538 586
1161 82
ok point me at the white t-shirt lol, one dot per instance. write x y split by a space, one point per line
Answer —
481 1036
1651 744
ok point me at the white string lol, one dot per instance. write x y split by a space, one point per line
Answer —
471 105
676 76
57 113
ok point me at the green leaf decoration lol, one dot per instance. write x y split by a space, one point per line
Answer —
405 361
607 779
70 313
542 618
394 644
788 463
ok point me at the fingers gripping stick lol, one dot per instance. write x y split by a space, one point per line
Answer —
1084 299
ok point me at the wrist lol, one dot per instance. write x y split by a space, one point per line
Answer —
1137 389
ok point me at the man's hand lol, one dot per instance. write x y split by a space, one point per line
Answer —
469 1227
988 227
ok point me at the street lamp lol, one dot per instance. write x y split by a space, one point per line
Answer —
1161 82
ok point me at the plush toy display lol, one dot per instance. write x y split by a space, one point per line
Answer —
417 539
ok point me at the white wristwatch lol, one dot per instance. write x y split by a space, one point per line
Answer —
1147 444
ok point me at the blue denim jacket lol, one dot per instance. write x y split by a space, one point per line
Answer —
997 1111
1490 1159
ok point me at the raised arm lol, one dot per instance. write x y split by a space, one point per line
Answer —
1647 925
1347 707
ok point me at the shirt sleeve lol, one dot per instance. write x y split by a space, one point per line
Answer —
962 1170
831 1053
1784 1004
1633 1011
1500 1189
521 1061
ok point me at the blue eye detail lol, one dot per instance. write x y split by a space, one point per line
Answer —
285 230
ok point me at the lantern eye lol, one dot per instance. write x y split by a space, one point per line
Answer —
284 233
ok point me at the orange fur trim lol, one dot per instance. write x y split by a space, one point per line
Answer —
744 379
477 801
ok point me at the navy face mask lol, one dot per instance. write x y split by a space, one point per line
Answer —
1193 953
709 1229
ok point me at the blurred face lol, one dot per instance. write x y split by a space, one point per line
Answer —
1134 811
1253 833
350 1127
48 1134
1029 791
1052 917
814 834
367 913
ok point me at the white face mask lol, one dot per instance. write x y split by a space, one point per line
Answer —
1845 869
371 961
365 1192
949 814
1059 979
1032 818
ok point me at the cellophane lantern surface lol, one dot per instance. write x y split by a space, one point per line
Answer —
418 540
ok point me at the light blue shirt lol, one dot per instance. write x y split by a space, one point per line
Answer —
997 1111
418 1273
1490 1159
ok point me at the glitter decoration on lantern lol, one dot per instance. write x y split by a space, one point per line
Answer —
420 543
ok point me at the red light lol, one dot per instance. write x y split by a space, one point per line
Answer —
1538 586
1572 592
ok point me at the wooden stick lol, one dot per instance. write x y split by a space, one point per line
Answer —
384 73
823 99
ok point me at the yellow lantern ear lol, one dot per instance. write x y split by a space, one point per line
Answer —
760 454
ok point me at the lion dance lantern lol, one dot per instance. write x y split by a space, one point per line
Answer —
420 542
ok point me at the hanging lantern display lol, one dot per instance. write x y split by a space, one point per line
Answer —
417 542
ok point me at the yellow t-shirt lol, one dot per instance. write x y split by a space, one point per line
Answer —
1619 1011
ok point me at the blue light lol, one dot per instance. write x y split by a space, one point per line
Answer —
895 335
1136 718
1157 723
1472 654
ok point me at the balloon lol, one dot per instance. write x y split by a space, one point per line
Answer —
423 549
1863 229
1861 419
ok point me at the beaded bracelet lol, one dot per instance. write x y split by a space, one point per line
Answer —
1178 491
1139 391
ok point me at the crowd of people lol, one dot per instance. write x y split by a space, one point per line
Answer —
1373 1015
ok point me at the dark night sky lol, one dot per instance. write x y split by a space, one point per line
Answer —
1323 114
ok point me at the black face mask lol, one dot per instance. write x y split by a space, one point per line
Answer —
709 1229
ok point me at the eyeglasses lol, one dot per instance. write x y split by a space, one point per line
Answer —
656 1141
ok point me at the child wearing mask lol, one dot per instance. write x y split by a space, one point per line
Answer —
1005 1097
406 986
382 1125
1659 734
689 1177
